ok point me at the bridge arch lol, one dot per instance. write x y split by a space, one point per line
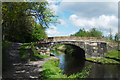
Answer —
93 47
79 52
80 44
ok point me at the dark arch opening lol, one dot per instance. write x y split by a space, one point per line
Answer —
71 63
76 50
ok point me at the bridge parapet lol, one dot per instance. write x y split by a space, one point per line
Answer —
71 38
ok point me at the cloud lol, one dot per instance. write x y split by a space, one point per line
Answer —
62 22
54 5
52 31
52 27
90 9
103 22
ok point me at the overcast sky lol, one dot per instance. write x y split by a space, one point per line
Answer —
77 15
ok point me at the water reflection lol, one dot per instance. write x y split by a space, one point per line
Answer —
68 63
104 71
71 65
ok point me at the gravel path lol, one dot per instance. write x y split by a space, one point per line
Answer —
17 69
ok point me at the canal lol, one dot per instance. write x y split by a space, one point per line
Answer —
70 65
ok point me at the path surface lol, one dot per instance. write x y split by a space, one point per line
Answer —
16 68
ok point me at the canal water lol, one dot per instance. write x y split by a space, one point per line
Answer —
70 65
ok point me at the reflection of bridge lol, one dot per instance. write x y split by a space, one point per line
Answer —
93 47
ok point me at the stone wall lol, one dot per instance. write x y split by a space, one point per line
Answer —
92 49
71 38
112 46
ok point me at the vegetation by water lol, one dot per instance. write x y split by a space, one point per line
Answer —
32 54
102 60
51 70
109 58
113 54
60 47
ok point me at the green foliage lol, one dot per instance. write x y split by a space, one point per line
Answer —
51 71
92 33
23 51
60 47
80 33
84 74
102 60
113 54
70 49
57 46
19 20
38 33
33 53
116 37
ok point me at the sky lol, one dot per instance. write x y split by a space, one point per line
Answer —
75 15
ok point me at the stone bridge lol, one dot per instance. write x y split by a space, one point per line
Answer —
93 47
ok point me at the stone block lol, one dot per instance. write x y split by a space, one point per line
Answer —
93 44
41 53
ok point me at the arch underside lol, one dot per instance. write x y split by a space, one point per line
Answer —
79 52
68 43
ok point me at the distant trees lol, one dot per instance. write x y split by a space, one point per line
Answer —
92 33
19 20
116 37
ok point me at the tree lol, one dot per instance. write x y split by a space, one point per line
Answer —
110 35
80 33
95 33
38 33
19 19
92 33
116 37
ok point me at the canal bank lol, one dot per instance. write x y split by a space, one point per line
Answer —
70 65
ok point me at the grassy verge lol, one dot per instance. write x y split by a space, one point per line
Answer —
23 51
51 70
60 47
102 60
111 57
32 54
113 54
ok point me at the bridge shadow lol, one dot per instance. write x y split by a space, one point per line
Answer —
113 58
72 60
75 51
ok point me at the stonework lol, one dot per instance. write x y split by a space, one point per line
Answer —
93 47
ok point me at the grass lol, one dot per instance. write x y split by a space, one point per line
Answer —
23 51
110 57
57 47
102 60
113 54
51 71
33 54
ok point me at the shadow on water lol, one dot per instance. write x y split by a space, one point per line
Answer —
69 63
